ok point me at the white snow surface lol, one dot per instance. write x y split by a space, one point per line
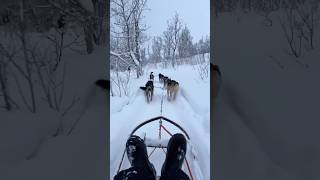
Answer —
265 125
191 110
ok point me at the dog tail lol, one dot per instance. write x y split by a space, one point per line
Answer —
143 88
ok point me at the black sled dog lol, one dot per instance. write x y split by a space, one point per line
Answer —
151 76
161 77
148 89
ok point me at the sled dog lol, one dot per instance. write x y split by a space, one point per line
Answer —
172 89
165 81
151 76
161 77
148 89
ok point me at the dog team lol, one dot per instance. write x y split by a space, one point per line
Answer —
170 85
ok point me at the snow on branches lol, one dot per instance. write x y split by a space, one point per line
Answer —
127 29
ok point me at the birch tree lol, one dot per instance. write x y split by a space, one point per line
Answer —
172 37
177 25
185 45
128 27
157 46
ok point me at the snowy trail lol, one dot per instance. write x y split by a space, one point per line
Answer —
180 111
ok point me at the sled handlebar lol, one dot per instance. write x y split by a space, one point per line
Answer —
163 118
161 145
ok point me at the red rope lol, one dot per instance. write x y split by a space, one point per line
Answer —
189 169
166 130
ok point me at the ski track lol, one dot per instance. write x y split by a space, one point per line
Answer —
180 111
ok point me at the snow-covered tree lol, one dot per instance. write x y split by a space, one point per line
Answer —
172 37
168 39
177 25
144 59
157 46
185 45
128 26
203 46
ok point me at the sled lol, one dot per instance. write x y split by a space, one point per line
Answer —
161 144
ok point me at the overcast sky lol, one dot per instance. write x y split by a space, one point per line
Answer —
194 13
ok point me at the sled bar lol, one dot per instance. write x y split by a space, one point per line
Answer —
166 130
163 118
189 169
164 151
160 123
152 151
156 146
124 152
156 143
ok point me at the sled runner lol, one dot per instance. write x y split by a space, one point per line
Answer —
160 143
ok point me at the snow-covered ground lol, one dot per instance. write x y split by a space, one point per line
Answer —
28 149
191 110
266 124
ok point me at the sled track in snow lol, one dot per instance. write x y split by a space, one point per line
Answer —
161 103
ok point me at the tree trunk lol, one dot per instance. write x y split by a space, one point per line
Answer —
28 67
137 48
88 33
100 12
4 88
